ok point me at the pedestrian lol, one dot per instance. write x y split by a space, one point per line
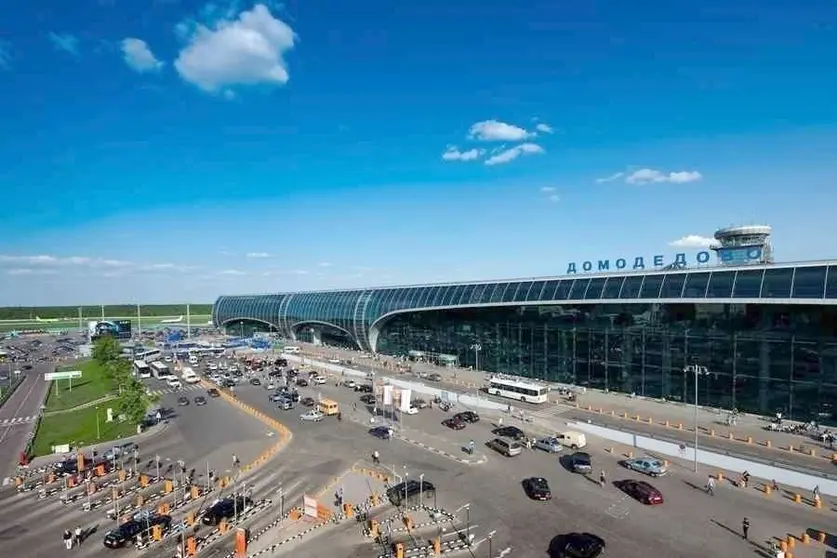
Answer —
376 458
602 478
816 493
710 486
68 539
775 486
745 528
78 534
500 421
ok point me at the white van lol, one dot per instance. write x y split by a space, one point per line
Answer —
292 350
572 439
193 359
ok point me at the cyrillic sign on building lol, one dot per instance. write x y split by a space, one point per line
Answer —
638 262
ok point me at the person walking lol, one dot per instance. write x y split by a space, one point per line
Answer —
602 479
77 534
68 539
710 486
745 529
376 458
816 493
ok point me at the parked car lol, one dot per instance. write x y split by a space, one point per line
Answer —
367 388
368 399
403 492
349 384
434 377
512 432
311 416
537 488
650 466
302 382
468 416
641 491
454 423
577 545
255 382
286 404
420 403
120 450
549 444
581 462
225 509
128 531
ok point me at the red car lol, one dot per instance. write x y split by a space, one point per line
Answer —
454 424
641 491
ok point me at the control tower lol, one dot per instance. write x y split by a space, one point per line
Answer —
744 245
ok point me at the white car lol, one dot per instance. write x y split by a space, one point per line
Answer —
173 382
412 410
311 416
213 366
167 359
334 361
318 380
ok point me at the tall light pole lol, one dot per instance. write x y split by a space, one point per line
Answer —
477 348
421 490
697 371
490 549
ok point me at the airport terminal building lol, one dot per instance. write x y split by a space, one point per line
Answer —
758 336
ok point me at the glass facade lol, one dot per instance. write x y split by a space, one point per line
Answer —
766 333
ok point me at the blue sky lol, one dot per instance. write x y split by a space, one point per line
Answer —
166 151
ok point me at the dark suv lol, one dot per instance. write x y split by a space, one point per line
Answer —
225 509
404 492
127 532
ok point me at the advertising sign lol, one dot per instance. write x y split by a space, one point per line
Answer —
387 395
66 375
405 400
310 506
120 329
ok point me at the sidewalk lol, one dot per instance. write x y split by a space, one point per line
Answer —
619 407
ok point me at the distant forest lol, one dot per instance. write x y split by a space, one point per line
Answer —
111 311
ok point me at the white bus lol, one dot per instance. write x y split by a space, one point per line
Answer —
200 351
148 355
159 370
527 392
141 369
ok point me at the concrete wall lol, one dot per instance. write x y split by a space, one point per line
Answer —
456 398
803 481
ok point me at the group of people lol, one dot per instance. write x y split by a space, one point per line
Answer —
73 538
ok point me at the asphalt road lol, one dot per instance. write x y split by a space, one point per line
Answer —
17 416
689 524
200 436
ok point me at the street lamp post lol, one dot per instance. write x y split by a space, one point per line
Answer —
421 490
697 371
490 549
477 348
468 524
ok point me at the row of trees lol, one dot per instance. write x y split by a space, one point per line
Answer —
95 312
133 400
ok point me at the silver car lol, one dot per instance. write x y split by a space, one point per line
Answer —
549 445
651 466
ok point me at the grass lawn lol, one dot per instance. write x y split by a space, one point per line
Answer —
78 428
91 386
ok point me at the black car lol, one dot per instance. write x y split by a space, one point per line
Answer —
404 492
467 416
255 382
307 402
367 398
381 432
213 392
363 388
200 400
578 545
454 423
128 531
537 488
182 400
302 382
225 509
581 462
512 432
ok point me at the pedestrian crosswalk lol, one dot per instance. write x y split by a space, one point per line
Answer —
16 420
185 388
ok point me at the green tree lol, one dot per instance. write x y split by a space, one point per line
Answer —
106 350
134 401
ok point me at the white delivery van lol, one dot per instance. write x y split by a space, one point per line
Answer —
189 376
572 439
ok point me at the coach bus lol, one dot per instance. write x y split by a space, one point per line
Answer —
147 354
526 392
141 369
159 370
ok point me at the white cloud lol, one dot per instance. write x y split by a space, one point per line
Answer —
554 198
244 51
693 241
544 128
325 264
64 42
548 189
235 272
5 55
138 56
454 154
258 255
513 153
494 130
647 176
611 178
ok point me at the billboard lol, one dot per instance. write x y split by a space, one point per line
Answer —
120 329
67 375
